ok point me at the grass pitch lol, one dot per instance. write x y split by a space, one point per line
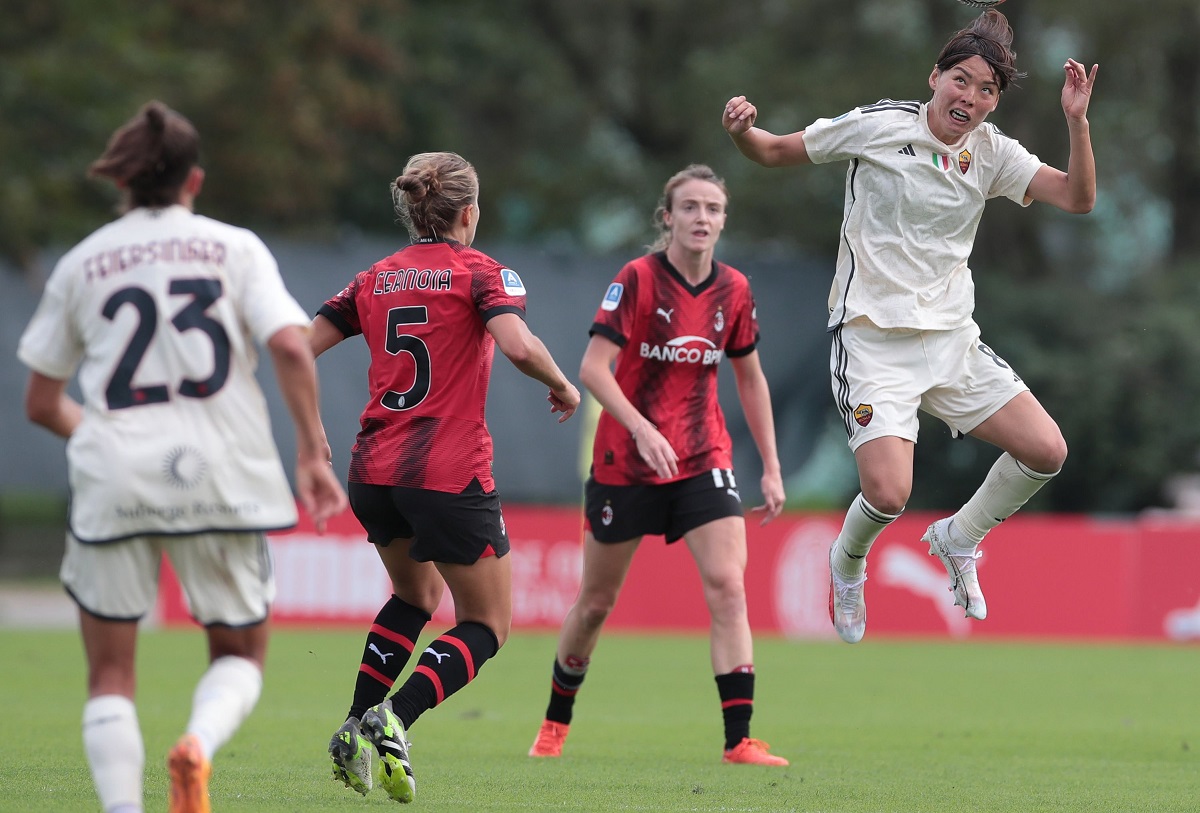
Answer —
886 725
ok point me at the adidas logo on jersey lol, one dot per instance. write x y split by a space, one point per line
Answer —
907 149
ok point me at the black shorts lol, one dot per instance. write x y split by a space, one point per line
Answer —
621 513
450 528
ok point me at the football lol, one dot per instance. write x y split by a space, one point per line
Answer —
981 3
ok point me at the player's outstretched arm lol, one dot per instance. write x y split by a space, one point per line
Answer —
1074 190
317 486
758 145
529 355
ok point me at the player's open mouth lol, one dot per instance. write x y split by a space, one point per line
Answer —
958 115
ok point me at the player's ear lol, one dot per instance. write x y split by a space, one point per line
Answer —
933 77
194 181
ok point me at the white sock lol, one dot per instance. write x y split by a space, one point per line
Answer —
862 526
1007 487
112 741
224 698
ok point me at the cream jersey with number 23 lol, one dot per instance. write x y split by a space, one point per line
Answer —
159 313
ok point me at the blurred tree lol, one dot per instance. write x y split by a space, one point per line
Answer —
285 95
1182 113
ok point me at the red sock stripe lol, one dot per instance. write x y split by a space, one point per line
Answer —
554 687
737 701
466 653
394 637
433 678
382 678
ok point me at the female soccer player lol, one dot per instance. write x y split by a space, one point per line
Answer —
421 471
901 305
662 458
171 451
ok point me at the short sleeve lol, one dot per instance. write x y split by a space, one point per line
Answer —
51 344
838 139
266 304
744 335
618 309
342 307
1016 167
495 289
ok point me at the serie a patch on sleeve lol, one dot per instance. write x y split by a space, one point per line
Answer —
612 297
512 283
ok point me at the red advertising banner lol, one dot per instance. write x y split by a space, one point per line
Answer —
1043 575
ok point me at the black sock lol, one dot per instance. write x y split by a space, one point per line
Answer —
446 665
737 703
563 687
388 647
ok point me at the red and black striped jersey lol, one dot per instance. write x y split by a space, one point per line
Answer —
422 312
672 336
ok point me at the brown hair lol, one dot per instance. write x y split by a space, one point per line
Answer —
150 156
988 36
433 189
692 172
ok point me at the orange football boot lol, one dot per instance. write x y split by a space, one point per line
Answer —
550 739
189 771
752 752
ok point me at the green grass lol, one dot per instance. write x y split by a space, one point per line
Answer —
886 725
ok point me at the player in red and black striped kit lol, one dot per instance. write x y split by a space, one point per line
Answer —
421 470
662 460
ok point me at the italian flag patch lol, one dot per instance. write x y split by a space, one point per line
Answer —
942 162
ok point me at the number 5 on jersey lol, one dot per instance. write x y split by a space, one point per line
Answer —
398 342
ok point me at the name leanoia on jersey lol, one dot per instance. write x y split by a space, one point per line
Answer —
436 279
411 279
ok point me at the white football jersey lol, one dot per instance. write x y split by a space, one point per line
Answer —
913 204
159 313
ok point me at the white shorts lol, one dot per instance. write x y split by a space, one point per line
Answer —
881 377
227 578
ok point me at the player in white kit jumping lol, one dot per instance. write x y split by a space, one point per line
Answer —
900 309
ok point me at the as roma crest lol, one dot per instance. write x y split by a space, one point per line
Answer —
863 414
964 161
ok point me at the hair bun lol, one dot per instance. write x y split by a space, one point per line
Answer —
156 116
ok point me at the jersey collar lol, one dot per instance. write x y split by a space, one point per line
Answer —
694 290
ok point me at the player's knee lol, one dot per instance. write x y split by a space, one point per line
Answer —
727 601
885 490
1049 456
887 498
424 596
594 609
728 588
